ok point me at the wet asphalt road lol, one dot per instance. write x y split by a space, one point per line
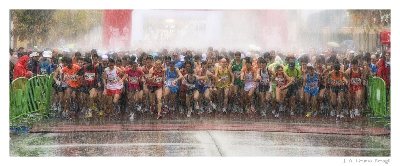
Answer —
202 142
203 136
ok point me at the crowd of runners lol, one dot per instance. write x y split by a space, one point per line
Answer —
187 82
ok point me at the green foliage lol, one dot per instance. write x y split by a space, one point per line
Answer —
46 26
31 25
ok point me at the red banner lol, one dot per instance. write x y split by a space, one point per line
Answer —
117 29
385 37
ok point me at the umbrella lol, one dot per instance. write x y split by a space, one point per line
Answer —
333 44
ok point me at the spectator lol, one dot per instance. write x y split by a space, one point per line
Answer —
21 69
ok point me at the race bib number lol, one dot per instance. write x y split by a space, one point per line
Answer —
133 80
170 82
158 79
356 81
224 78
89 76
280 81
237 74
147 76
265 81
314 84
113 80
43 71
190 86
336 83
73 77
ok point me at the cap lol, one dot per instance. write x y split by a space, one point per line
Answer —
33 54
47 54
104 57
310 65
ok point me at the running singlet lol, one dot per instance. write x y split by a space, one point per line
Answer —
312 82
146 71
158 79
248 79
134 77
190 84
224 78
280 80
264 77
355 80
90 77
170 77
236 68
210 78
113 81
336 80
70 76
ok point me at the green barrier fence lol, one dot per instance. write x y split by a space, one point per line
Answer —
377 100
30 99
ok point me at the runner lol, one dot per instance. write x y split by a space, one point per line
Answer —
356 88
283 81
59 86
204 86
89 85
237 88
337 82
155 86
225 79
264 78
134 87
295 75
311 90
148 65
70 72
172 76
248 76
113 87
190 80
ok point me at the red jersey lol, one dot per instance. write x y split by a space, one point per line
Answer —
134 77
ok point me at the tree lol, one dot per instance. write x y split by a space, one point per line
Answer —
70 24
31 25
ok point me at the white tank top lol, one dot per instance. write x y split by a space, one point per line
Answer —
113 81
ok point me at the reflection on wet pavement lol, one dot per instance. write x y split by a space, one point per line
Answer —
197 143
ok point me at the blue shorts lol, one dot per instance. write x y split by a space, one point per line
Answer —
311 91
201 88
173 89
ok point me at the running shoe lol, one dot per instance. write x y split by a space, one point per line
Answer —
132 116
189 112
273 111
263 114
223 110
315 113
337 117
332 112
292 113
101 113
252 109
352 114
197 107
356 112
53 107
209 110
88 113
308 114
213 106
277 115
281 109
